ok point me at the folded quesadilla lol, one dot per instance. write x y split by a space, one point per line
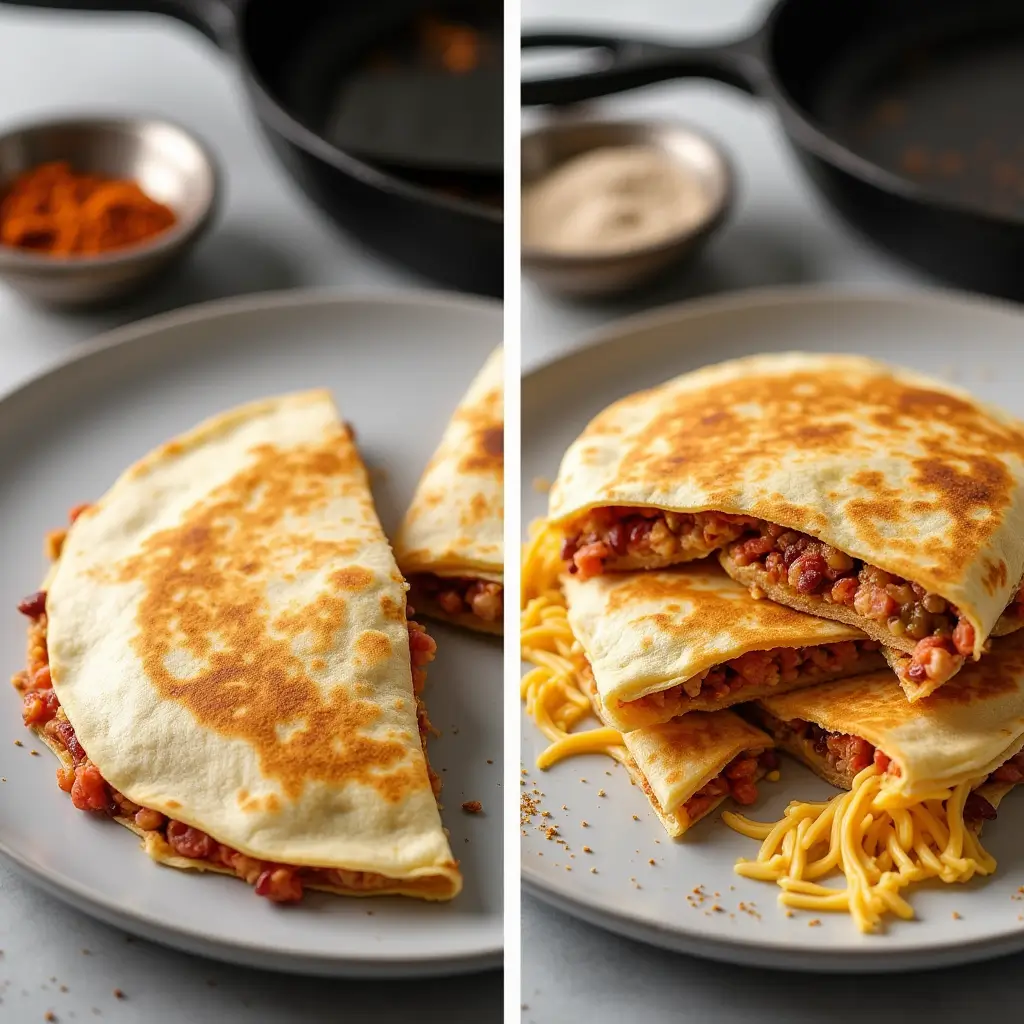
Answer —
688 767
835 485
450 546
669 642
970 729
222 661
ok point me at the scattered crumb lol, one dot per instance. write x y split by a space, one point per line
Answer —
593 871
118 994
583 780
18 743
732 888
567 868
718 895
585 824
636 817
564 808
3 780
814 922
789 913
473 807
541 484
956 916
717 909
49 1015
63 988
545 814
587 849
650 860
34 753
490 761
601 792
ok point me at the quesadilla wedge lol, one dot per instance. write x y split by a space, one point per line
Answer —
835 485
221 659
450 545
970 729
670 642
690 766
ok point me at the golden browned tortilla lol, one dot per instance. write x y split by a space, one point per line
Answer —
908 474
453 530
227 635
647 634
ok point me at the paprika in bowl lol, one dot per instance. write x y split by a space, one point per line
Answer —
94 209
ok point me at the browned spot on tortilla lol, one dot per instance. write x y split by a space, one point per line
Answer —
391 609
484 449
372 647
352 577
995 578
272 803
194 601
172 804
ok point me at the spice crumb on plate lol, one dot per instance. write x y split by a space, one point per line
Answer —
118 994
956 916
814 922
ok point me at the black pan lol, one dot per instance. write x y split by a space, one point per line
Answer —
294 55
907 114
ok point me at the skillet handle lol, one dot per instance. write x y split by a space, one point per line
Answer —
631 63
216 19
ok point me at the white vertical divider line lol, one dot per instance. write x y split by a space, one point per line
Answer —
513 504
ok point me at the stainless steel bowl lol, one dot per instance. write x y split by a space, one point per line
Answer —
170 164
611 273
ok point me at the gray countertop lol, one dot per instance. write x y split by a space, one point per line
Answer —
267 238
778 235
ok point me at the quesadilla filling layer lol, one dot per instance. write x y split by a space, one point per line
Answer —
618 537
762 670
738 780
89 791
813 568
461 596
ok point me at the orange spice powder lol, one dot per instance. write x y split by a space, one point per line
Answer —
52 210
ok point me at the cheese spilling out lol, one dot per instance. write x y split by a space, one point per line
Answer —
552 689
879 843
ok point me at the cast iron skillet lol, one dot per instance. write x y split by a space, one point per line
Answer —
905 113
291 54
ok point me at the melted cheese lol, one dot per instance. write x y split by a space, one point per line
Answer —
881 845
552 690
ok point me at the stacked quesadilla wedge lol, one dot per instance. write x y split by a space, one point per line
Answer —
670 642
834 485
451 546
222 661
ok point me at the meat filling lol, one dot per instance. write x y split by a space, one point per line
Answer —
89 791
458 596
607 537
738 780
760 669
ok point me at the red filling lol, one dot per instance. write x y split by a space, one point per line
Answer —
738 780
764 668
462 596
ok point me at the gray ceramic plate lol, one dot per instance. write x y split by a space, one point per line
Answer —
397 367
978 344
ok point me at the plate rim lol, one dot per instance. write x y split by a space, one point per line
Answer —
678 937
471 957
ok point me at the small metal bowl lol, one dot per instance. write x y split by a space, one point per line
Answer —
170 164
582 275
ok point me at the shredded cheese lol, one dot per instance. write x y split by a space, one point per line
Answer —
880 843
553 689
